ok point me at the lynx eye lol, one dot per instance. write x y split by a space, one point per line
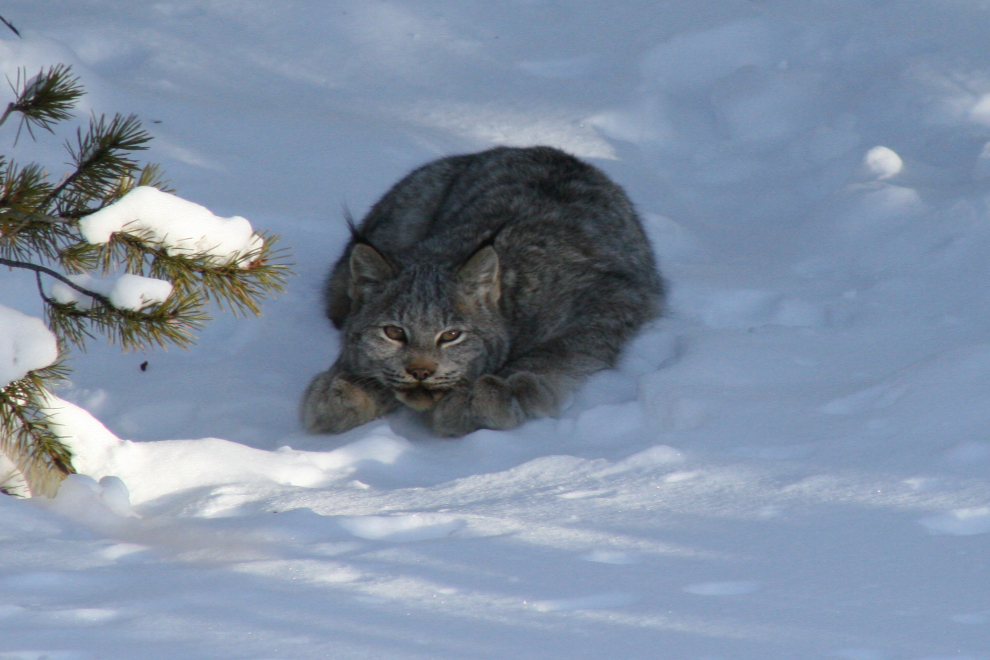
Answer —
394 332
448 336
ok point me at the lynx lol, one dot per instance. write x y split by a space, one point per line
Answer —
481 290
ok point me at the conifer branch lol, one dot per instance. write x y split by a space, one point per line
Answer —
45 99
26 435
40 232
61 278
100 156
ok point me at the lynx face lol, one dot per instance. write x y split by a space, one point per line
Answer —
421 333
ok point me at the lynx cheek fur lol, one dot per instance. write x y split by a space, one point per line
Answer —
480 290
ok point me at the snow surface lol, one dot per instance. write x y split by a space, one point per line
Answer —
792 464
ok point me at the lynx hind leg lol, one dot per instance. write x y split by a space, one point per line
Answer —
334 403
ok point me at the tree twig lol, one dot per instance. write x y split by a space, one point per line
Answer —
27 218
10 25
58 276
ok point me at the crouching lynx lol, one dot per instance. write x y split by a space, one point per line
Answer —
480 290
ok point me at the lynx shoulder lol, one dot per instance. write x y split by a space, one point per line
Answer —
482 289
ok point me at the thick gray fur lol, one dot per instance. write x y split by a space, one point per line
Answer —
536 258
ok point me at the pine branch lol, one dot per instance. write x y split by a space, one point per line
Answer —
39 232
61 278
26 435
45 99
100 157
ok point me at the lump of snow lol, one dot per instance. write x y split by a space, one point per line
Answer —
26 344
180 226
66 295
883 162
133 292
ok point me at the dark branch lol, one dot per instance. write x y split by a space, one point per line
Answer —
10 25
58 276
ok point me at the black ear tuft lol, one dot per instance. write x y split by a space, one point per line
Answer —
478 278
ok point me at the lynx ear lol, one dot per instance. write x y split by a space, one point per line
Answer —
368 269
478 279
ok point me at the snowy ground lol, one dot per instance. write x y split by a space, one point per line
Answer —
793 464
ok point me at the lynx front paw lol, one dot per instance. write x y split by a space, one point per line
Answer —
487 403
333 404
451 416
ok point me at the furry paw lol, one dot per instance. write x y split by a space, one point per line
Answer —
488 403
495 405
534 394
334 404
451 416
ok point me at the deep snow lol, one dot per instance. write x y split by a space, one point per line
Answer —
792 464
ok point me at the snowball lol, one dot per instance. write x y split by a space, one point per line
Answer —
180 226
883 162
25 345
135 292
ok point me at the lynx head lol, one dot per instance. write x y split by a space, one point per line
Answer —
422 329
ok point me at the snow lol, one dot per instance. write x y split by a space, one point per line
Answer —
180 226
129 291
792 464
136 292
25 345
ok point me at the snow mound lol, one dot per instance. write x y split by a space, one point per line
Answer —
181 226
25 345
159 468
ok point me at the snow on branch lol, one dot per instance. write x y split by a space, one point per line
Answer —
181 227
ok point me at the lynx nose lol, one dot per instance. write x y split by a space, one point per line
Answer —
420 372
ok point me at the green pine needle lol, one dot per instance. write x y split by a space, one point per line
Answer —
39 231
45 99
